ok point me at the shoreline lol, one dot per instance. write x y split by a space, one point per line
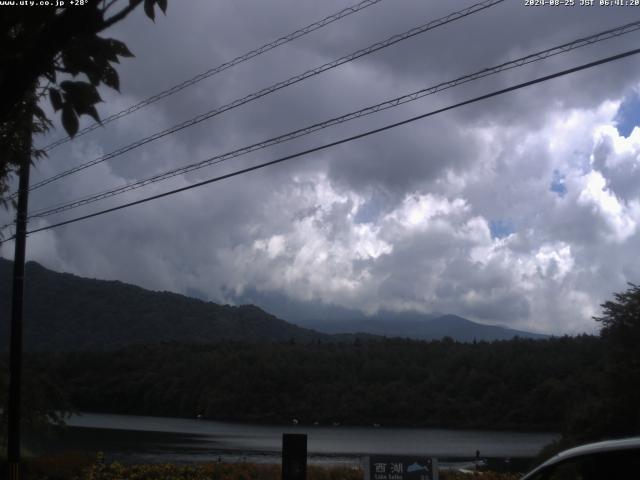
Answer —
527 429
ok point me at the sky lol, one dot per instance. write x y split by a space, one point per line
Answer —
521 210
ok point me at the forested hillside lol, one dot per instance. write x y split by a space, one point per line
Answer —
68 312
64 311
531 384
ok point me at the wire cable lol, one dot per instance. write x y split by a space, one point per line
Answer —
220 68
535 57
266 91
344 140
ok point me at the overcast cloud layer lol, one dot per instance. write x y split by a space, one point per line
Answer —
521 210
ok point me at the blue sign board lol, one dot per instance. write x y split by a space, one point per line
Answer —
391 467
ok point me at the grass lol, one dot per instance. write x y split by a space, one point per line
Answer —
79 466
76 467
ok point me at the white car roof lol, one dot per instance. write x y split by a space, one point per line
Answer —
599 447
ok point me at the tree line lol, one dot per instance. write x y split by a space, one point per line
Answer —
532 384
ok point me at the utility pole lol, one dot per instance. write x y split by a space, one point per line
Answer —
17 300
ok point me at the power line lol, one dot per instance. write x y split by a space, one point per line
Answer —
538 56
344 140
266 91
220 68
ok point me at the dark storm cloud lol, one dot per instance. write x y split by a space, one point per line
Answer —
399 220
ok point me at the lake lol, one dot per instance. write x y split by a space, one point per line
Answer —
158 439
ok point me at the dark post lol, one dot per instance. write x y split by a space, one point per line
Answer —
15 347
294 456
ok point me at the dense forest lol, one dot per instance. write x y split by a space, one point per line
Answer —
532 384
64 311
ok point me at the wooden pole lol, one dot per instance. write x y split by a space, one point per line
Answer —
17 300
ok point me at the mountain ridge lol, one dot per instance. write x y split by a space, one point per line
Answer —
64 311
425 328
334 319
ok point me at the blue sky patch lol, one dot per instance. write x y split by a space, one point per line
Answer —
501 228
557 184
371 210
367 213
628 116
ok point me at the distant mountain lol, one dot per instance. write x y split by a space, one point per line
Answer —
334 319
303 312
64 311
422 327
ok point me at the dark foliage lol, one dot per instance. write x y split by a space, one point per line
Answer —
40 45
611 408
44 402
530 384
619 412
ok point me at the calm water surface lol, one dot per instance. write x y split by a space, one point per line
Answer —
186 440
